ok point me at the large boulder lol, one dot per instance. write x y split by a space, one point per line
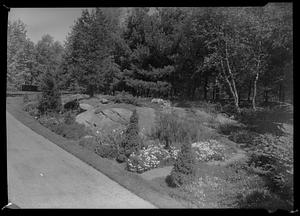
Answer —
146 119
115 118
105 120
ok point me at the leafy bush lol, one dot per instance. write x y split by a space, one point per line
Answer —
131 142
55 123
69 117
261 198
25 98
184 167
121 156
106 151
228 128
124 97
263 120
112 137
72 105
242 136
31 108
71 131
50 100
272 157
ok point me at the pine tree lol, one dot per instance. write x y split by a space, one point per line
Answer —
183 170
131 142
50 100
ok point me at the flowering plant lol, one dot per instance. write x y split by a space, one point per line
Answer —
150 158
208 150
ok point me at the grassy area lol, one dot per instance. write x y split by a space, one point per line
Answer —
131 181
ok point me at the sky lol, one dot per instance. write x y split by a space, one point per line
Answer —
40 21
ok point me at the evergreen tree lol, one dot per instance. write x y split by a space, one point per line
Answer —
50 101
89 58
20 60
131 142
183 170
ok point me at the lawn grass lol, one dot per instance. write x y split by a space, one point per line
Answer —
131 181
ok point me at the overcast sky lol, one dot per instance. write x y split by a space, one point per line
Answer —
54 21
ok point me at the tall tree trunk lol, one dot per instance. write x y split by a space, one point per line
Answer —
254 90
231 84
266 95
249 91
205 88
282 93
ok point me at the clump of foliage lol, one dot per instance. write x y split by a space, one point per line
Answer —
25 98
228 128
263 120
50 100
131 141
71 131
260 198
88 142
106 151
184 167
55 122
242 136
210 150
124 97
31 108
171 129
153 156
72 105
69 117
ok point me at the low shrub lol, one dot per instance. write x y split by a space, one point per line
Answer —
263 120
31 108
106 151
184 168
121 158
55 122
112 137
72 131
242 136
69 117
72 105
210 150
124 97
151 157
261 198
228 128
89 143
25 98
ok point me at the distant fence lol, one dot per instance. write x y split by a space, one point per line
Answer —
33 88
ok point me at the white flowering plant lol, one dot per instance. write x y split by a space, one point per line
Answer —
209 150
150 157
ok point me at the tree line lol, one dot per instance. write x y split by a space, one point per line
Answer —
244 54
